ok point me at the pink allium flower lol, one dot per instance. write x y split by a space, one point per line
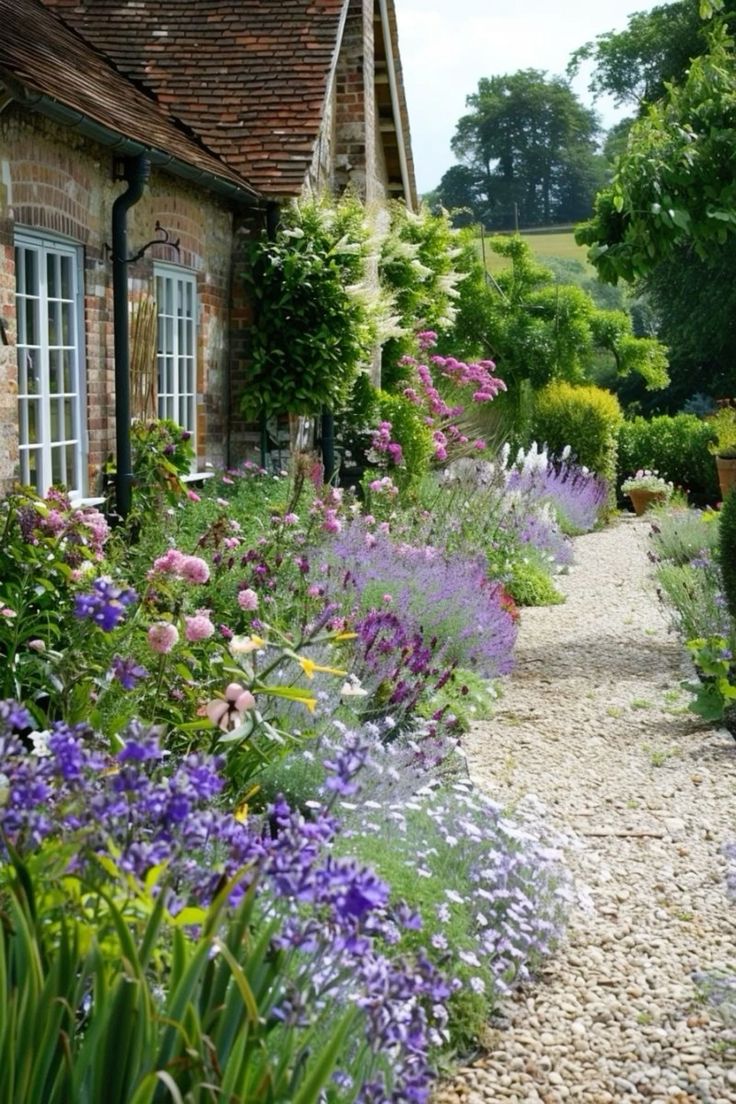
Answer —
231 542
170 563
291 519
162 636
248 599
198 627
194 569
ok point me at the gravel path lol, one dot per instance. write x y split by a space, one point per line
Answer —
593 723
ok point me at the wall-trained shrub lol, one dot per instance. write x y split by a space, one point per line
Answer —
675 447
587 419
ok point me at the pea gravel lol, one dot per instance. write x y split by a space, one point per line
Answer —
593 722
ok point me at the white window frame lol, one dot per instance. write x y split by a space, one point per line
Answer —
176 346
45 246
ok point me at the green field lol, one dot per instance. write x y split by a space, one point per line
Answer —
557 242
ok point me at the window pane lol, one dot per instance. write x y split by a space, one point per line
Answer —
57 465
67 324
53 286
31 327
68 419
31 284
73 480
67 278
54 422
33 423
54 326
189 288
55 381
69 384
28 372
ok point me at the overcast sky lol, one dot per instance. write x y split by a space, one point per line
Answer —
448 45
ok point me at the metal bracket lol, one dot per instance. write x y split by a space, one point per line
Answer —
165 240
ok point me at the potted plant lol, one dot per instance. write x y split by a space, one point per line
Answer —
724 447
645 489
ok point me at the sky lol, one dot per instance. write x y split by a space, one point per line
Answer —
448 45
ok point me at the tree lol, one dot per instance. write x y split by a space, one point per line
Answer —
676 182
527 149
636 64
666 220
537 331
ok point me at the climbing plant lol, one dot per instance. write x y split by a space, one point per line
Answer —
315 319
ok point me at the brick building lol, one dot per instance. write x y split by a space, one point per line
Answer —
233 107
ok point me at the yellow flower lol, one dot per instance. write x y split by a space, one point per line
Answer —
309 667
241 645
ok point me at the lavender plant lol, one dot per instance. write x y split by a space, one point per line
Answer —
116 841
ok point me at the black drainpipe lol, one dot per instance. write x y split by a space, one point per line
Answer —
136 172
273 212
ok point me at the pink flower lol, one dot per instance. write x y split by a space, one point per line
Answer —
291 519
198 627
479 444
193 496
228 480
248 599
331 523
162 636
228 712
170 563
194 570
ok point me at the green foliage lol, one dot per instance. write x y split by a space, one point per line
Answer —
530 585
539 331
636 65
467 696
313 327
728 551
676 447
723 427
692 594
678 536
144 1012
586 418
674 184
418 273
529 149
715 694
410 431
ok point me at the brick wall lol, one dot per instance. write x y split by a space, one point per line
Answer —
358 157
52 179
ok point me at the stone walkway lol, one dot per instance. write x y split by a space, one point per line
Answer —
593 723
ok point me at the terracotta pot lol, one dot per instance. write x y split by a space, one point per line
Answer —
726 474
643 500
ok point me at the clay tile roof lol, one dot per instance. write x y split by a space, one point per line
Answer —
248 77
43 55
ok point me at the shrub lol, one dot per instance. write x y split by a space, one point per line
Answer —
586 419
728 551
676 447
530 585
678 536
408 428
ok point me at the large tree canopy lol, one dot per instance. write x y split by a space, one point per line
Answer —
527 149
655 49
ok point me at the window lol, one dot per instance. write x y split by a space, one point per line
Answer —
50 360
176 302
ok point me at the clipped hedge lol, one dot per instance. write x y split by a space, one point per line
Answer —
674 446
585 418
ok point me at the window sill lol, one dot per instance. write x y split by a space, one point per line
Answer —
197 477
80 502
